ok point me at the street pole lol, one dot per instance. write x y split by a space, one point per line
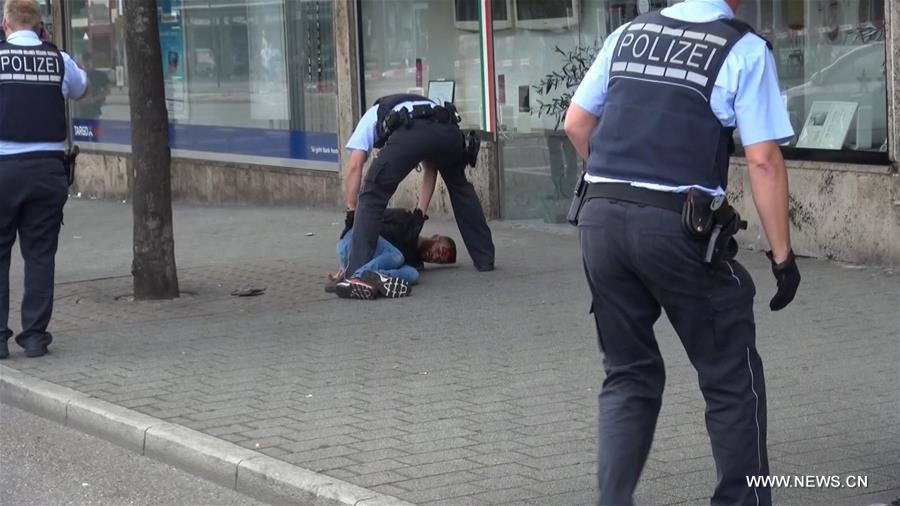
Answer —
153 266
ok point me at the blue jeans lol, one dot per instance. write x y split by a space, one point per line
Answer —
387 260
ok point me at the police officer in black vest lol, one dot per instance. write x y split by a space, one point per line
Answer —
654 118
35 80
410 129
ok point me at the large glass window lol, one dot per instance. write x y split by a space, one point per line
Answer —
831 62
830 56
243 78
540 61
408 45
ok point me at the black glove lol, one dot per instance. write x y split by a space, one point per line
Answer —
348 222
419 218
788 277
472 146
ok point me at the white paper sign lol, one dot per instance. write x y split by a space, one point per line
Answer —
827 125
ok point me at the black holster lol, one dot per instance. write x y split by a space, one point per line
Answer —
579 196
393 121
69 162
712 218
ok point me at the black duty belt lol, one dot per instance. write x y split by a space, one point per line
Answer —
626 192
34 155
423 112
439 114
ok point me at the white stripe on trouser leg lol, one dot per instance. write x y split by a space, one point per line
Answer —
756 419
733 275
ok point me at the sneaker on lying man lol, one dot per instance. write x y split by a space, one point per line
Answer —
388 286
355 288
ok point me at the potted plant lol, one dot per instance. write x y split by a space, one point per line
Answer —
554 93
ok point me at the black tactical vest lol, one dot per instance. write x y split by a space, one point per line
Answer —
657 125
387 103
32 105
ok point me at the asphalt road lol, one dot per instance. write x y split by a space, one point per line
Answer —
43 463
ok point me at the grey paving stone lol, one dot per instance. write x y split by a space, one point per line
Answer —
574 498
375 466
449 493
457 501
430 434
504 389
579 471
436 445
515 495
498 458
583 485
321 465
258 443
380 478
390 490
506 481
271 431
442 467
436 480
438 456
315 444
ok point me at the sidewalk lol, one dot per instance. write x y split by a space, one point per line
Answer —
479 389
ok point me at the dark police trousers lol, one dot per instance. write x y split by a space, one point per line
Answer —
440 144
32 195
638 261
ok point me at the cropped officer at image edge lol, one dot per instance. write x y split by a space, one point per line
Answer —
35 80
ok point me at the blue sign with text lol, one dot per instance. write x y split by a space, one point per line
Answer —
290 144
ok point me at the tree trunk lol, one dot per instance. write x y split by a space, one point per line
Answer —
153 266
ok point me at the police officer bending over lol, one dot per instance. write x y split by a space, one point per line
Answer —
35 80
654 119
409 129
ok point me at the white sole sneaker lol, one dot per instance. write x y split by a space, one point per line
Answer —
355 289
387 286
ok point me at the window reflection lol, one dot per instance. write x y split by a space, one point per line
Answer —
246 63
830 57
408 43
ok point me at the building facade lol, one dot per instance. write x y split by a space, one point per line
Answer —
262 95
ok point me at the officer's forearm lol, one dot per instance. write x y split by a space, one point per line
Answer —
769 185
579 125
353 177
426 191
351 191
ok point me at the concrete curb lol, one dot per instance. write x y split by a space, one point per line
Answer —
246 471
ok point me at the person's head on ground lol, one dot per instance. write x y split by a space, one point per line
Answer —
437 249
21 15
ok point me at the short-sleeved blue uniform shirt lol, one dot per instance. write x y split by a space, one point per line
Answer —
363 137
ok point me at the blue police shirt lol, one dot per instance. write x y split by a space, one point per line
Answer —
363 137
74 86
745 95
